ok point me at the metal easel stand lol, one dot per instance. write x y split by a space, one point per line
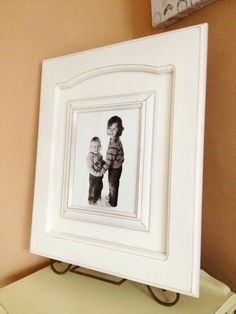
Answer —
75 269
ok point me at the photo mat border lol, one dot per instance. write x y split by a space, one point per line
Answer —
145 102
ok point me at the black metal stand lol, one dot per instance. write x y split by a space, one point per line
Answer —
75 269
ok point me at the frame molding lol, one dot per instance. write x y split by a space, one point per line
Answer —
166 252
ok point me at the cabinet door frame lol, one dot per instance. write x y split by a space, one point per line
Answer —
157 85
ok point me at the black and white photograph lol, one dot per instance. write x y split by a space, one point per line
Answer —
106 159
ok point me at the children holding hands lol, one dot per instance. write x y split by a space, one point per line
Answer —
113 163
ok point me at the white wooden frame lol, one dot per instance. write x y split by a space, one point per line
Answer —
156 240
140 218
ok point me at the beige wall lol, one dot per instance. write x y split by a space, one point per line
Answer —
32 30
219 193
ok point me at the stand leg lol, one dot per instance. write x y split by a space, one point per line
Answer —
163 302
59 272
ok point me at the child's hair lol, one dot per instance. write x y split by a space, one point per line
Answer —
116 119
95 139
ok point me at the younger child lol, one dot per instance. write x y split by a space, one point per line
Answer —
95 163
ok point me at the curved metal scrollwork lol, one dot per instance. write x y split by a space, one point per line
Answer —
73 269
59 272
176 300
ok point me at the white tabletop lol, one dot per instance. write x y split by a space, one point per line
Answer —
44 292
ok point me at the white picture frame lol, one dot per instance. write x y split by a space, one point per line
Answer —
151 232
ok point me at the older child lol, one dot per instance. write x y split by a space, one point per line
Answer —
114 158
95 163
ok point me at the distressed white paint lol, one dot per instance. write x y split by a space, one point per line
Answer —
155 238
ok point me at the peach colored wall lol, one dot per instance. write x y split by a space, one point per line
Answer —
219 193
34 30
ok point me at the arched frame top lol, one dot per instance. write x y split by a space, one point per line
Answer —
115 69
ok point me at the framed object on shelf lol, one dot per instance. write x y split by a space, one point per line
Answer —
119 161
166 12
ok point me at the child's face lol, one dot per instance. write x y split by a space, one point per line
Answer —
95 147
112 131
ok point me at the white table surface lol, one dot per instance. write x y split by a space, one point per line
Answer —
44 292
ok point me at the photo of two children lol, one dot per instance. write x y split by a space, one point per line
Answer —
97 166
